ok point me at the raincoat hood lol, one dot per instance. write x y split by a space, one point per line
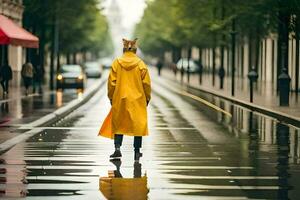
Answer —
129 60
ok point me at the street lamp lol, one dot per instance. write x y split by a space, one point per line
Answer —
188 64
181 70
284 80
221 75
284 87
252 75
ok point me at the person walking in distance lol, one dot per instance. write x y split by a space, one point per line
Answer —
129 92
6 76
27 75
38 79
159 66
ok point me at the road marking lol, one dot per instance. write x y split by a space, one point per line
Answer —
220 177
184 93
97 128
15 140
149 168
197 98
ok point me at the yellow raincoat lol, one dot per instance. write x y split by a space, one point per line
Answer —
129 90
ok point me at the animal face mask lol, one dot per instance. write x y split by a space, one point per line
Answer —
130 45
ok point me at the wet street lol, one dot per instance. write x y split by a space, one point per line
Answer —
192 152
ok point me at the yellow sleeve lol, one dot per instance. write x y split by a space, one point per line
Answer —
112 80
146 83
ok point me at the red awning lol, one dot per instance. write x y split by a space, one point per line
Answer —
11 33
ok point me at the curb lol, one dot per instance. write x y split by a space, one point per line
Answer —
52 117
280 116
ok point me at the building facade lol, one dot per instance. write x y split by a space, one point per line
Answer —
13 9
267 68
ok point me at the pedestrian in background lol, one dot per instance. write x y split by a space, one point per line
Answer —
6 76
38 79
129 91
159 65
173 66
27 75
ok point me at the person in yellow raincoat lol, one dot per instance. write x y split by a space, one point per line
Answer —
129 91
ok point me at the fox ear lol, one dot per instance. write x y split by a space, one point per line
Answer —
124 40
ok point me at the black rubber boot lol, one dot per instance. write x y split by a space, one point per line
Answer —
137 156
137 171
116 155
117 163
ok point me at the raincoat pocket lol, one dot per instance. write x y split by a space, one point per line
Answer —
106 128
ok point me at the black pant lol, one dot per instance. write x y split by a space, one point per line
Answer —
27 82
137 144
4 84
37 84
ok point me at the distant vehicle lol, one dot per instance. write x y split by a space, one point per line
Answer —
93 69
70 76
194 67
106 62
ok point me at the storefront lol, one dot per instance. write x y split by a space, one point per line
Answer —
12 38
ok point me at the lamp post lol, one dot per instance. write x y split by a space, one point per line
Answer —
252 76
284 88
181 69
188 63
221 71
284 79
233 34
200 66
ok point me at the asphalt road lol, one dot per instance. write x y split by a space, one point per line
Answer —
193 152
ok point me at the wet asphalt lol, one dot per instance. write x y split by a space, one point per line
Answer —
192 152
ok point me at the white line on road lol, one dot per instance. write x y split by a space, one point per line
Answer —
98 127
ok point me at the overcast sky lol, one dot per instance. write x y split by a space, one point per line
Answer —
132 10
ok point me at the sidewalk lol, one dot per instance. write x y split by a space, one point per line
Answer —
264 93
18 110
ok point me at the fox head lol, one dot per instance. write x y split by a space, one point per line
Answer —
130 45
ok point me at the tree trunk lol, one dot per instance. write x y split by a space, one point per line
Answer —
214 61
297 60
42 48
200 65
250 49
58 61
222 70
68 57
42 40
257 45
283 39
74 58
84 56
273 63
242 59
233 48
52 56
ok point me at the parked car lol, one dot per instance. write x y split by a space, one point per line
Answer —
194 67
93 69
70 76
106 62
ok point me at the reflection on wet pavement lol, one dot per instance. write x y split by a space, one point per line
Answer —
114 186
18 111
191 153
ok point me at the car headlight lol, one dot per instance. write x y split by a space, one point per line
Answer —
80 77
59 77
